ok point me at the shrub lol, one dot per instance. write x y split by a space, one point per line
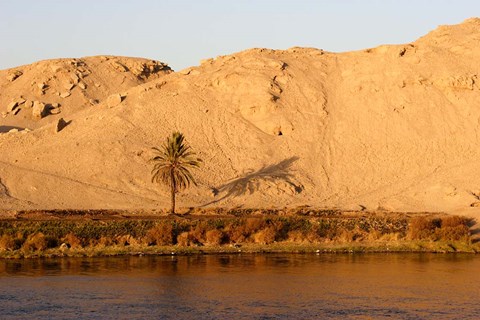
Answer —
253 225
72 241
199 232
7 243
237 233
423 228
126 240
454 228
160 235
347 236
266 236
103 242
35 242
296 236
214 237
186 239
326 229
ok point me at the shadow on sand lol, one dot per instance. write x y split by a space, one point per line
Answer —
4 129
249 182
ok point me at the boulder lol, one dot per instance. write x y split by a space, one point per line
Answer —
14 75
12 106
82 85
20 101
114 100
93 102
61 123
28 104
39 110
65 94
68 85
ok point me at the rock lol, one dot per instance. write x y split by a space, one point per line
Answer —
186 71
39 110
61 123
28 104
93 102
75 78
4 115
41 85
13 130
119 67
55 111
82 85
12 106
20 101
16 111
55 68
14 75
65 94
114 100
206 61
64 247
68 86
55 105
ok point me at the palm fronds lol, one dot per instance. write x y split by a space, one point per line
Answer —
172 164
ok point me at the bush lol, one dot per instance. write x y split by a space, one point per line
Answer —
35 242
237 232
266 236
7 243
199 232
214 237
160 235
296 236
186 239
126 240
72 241
454 228
423 228
102 242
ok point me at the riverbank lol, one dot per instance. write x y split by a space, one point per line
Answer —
30 234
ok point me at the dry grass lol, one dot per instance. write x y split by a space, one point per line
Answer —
31 237
214 237
449 228
35 242
160 235
72 241
7 243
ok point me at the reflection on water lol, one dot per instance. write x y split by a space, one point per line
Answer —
406 286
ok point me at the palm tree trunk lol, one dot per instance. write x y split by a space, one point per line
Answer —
173 189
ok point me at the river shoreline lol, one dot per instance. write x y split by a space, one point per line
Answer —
92 233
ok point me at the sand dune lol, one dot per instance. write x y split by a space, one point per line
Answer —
392 128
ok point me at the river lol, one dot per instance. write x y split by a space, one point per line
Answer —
244 286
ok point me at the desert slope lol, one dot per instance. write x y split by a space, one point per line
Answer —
392 127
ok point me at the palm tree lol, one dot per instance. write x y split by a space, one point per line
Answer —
172 163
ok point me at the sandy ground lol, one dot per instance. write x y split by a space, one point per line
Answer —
392 128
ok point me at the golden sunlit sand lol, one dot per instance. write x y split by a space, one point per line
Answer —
392 128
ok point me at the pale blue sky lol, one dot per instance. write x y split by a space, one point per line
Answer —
181 33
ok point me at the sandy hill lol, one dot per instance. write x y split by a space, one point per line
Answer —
393 128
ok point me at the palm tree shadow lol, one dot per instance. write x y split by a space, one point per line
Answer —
250 182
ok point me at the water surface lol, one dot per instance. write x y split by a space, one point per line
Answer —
390 286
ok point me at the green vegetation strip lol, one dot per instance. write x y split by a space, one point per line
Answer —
262 233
